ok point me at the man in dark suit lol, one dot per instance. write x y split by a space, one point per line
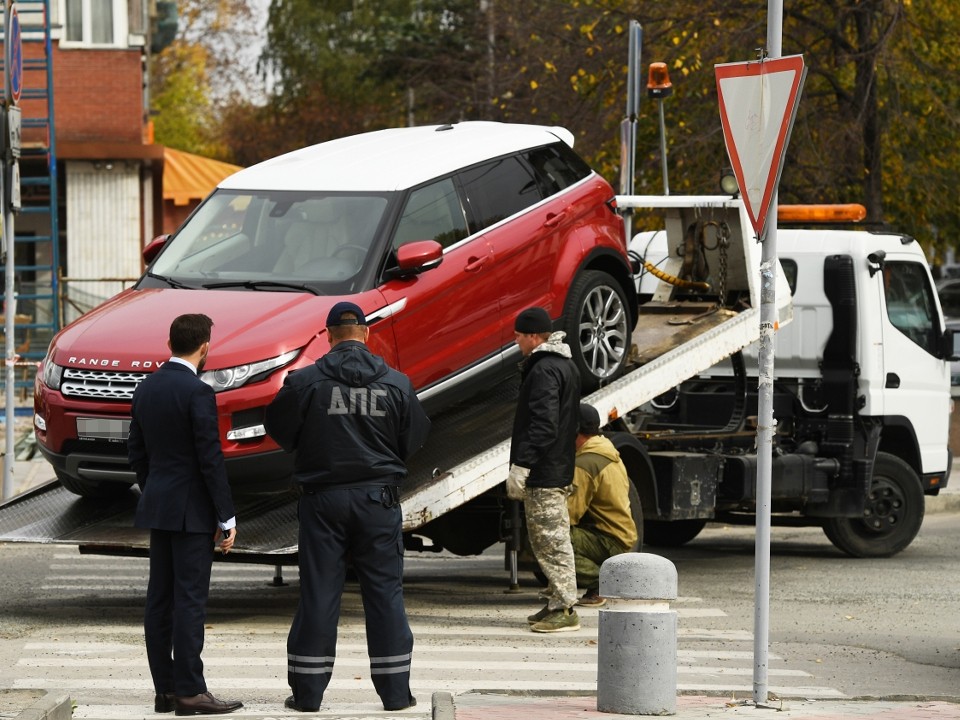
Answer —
174 447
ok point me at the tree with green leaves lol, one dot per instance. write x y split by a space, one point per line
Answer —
198 75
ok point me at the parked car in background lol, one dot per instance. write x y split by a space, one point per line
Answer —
442 235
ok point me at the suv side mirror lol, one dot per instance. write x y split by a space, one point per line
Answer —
154 247
415 257
419 256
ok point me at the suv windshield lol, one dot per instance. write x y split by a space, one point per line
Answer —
324 240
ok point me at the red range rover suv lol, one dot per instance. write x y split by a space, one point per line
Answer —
442 234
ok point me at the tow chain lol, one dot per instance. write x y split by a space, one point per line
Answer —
722 246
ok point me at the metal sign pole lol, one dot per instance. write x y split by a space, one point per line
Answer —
9 316
765 419
12 85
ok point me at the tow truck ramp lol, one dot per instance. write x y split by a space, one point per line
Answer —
468 454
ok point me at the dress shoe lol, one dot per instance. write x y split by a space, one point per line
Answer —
411 703
206 704
291 702
164 702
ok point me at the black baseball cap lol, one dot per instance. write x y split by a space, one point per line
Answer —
589 420
335 316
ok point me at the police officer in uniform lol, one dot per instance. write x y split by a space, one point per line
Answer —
352 422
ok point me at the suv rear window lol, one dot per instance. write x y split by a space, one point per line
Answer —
509 185
498 189
557 168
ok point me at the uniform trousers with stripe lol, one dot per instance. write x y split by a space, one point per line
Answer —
337 525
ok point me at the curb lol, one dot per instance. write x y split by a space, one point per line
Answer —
442 703
49 707
947 501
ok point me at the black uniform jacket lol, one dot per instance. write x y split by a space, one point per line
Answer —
174 448
350 418
545 426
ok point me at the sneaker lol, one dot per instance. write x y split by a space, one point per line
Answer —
592 598
539 615
558 621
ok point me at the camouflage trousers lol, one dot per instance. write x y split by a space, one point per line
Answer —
548 528
590 549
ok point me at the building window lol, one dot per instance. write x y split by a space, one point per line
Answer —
95 22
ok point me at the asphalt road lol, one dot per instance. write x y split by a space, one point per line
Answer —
884 627
839 627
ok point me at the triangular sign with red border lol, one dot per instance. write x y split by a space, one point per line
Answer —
758 104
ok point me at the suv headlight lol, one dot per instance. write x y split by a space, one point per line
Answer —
230 378
52 374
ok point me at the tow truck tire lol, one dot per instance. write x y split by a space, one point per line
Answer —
597 322
92 488
671 533
892 517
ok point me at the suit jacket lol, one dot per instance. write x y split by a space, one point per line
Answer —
174 448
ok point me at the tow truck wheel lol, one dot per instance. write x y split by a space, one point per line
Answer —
671 533
891 518
91 488
597 323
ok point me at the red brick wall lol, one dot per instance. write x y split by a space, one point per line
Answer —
97 94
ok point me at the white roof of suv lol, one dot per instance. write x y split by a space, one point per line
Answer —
395 159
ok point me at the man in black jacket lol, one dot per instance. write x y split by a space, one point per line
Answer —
174 448
352 422
542 453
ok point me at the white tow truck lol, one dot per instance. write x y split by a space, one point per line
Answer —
861 382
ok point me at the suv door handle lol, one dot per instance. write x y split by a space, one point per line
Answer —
893 381
553 219
475 263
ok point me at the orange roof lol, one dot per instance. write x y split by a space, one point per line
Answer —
188 177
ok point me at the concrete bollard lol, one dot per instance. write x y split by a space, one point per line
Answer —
637 654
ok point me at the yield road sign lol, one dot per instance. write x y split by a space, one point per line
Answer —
758 103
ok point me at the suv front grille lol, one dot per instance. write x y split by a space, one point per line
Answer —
100 384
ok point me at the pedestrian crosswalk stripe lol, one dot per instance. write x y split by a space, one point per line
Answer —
420 661
145 685
67 648
489 650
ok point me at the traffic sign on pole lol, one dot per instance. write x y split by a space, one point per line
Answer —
13 56
758 103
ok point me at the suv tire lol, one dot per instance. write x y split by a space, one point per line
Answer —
597 323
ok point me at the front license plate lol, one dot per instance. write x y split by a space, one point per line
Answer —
115 429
